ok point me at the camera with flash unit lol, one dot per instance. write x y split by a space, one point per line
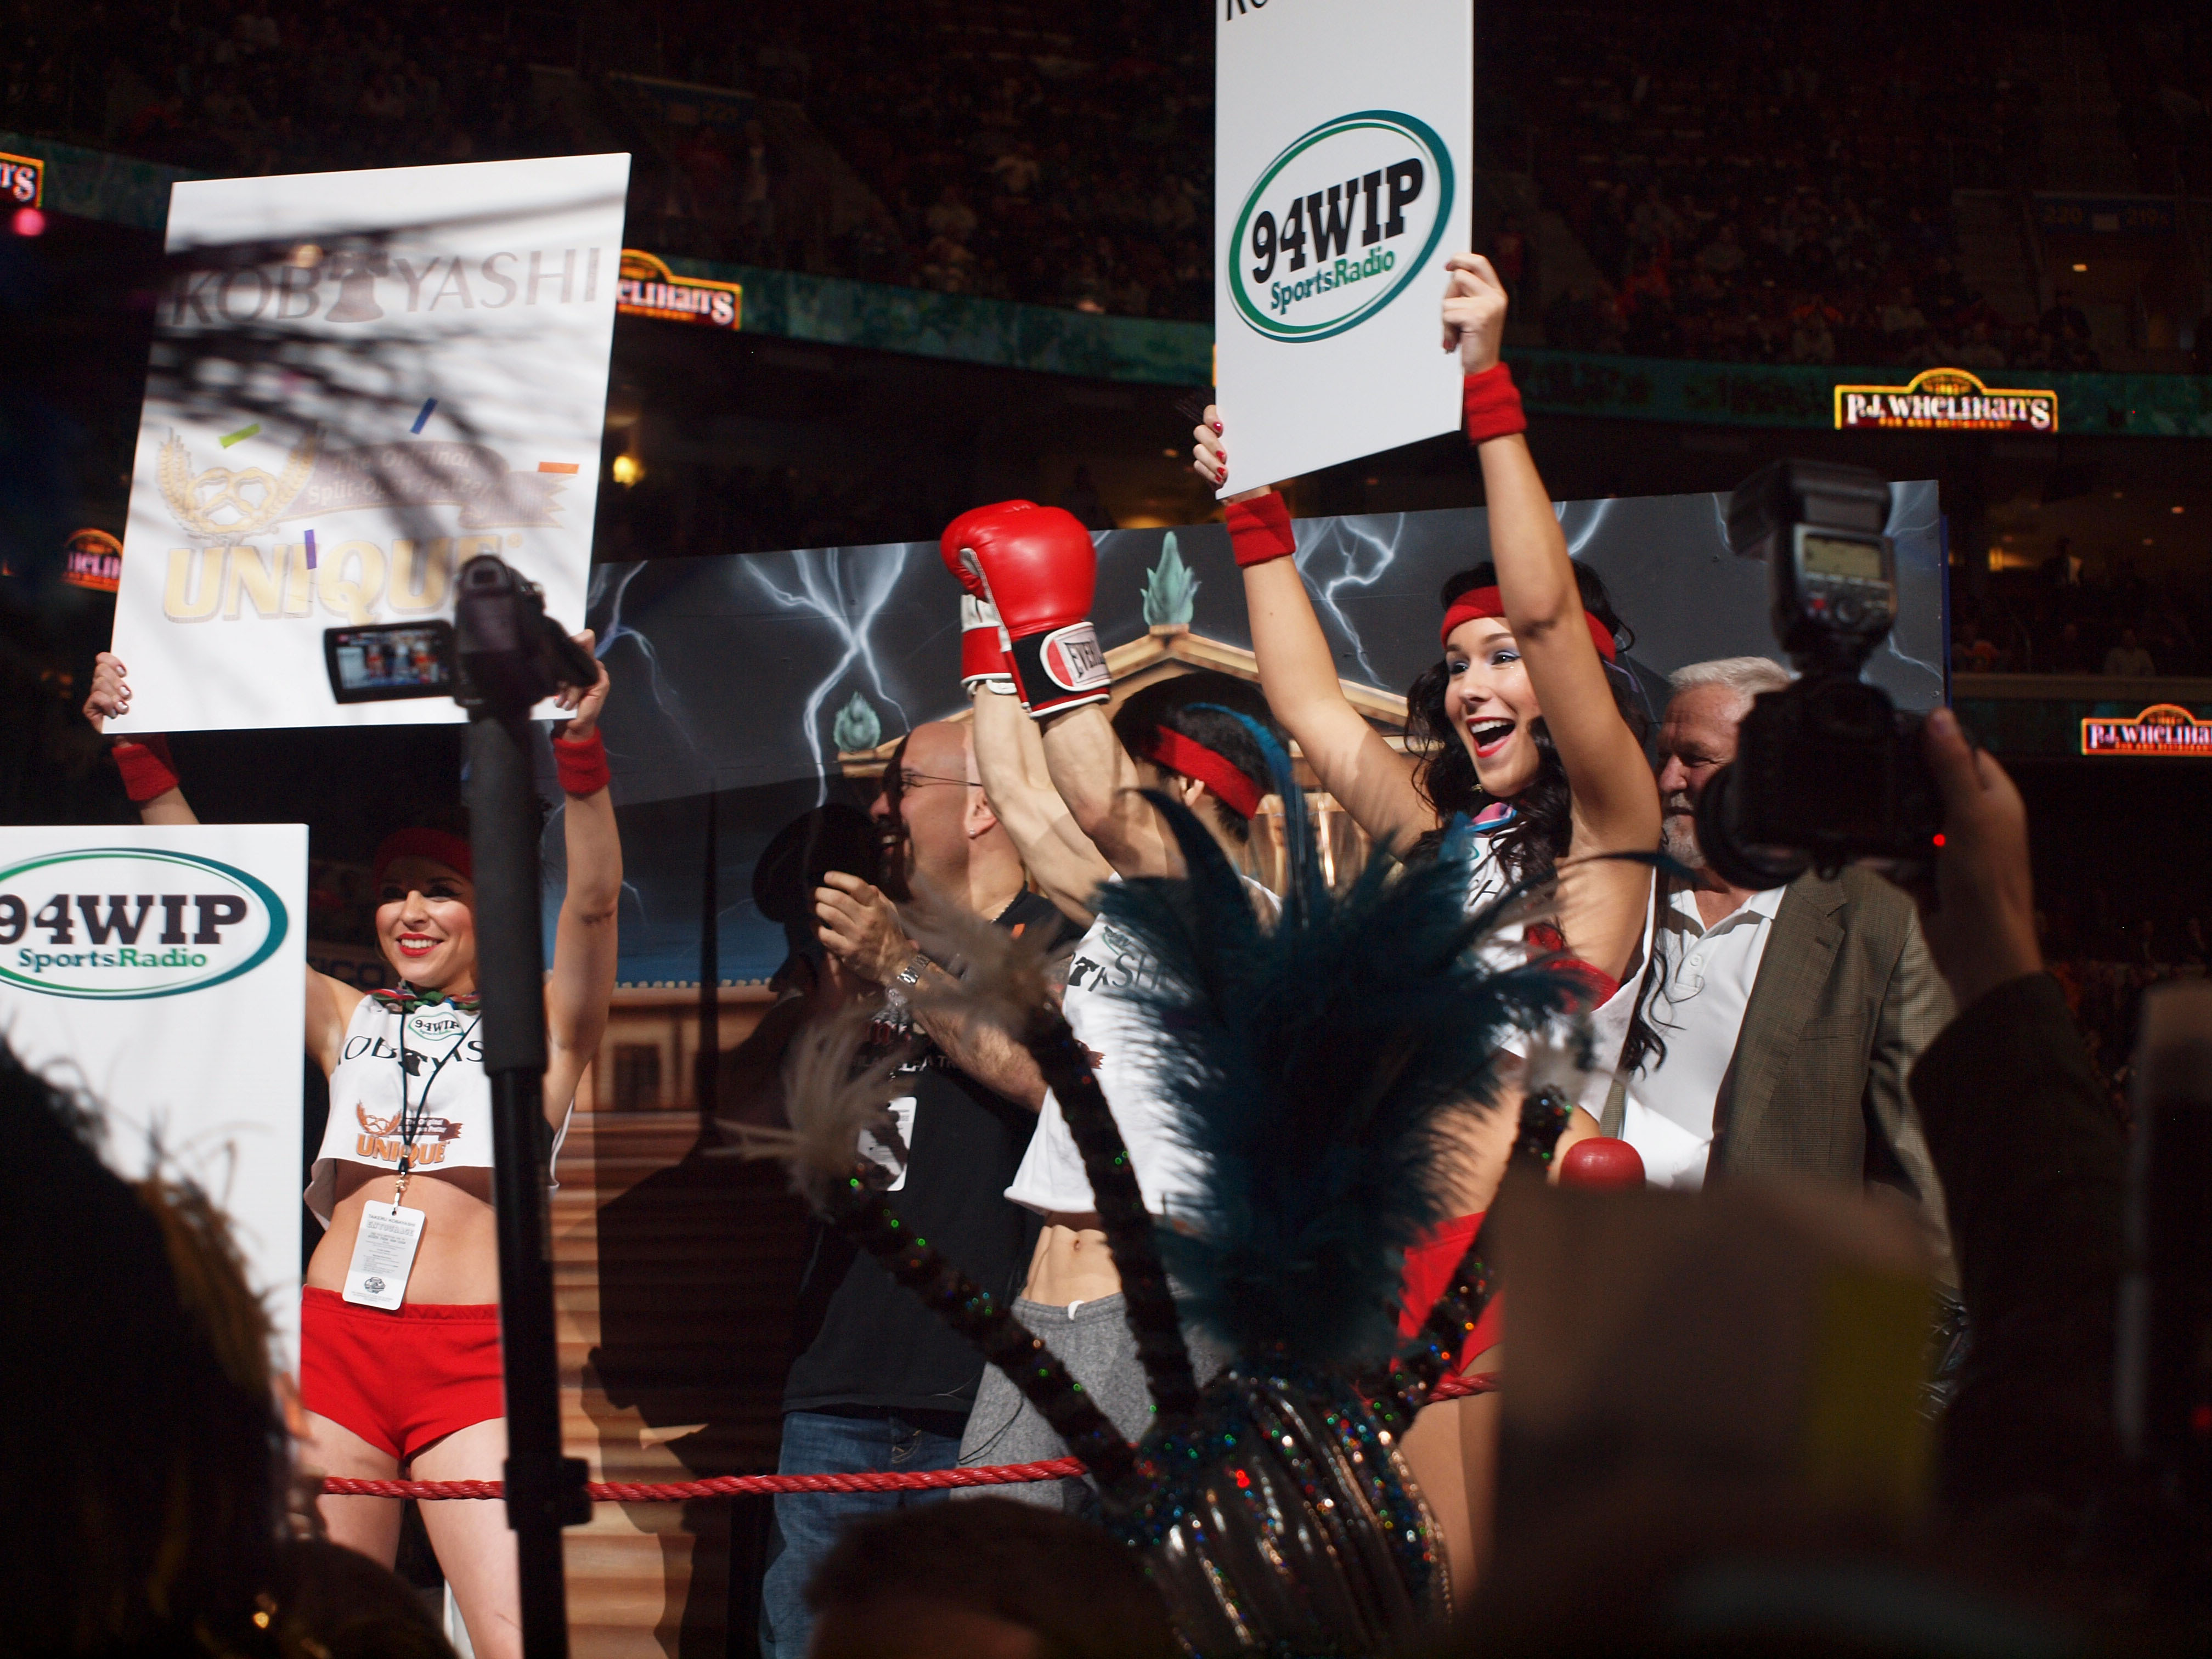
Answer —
1829 770
500 649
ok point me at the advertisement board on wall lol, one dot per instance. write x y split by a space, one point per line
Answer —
1342 178
359 381
158 970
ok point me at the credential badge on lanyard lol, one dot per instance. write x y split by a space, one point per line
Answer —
384 1249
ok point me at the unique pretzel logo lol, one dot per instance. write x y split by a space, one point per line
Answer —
220 503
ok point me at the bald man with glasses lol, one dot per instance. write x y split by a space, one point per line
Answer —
880 1383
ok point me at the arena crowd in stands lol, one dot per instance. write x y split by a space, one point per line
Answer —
1750 184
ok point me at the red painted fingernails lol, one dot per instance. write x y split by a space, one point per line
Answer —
1217 426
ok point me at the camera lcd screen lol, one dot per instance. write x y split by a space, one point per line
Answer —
397 659
1835 556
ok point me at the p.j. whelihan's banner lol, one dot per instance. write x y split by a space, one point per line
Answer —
360 381
158 969
1343 146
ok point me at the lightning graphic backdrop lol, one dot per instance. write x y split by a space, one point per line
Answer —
777 680
359 381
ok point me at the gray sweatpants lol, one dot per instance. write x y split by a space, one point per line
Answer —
1095 1343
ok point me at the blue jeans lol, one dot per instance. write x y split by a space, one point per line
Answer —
807 1524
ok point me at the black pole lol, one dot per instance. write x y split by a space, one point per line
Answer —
710 978
545 1489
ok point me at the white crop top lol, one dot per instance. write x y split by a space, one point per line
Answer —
1607 1024
1108 962
448 1100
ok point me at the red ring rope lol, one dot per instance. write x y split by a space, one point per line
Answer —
742 1485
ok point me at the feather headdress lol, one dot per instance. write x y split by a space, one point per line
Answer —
1320 1069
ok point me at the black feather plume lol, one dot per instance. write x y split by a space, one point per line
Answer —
1319 1070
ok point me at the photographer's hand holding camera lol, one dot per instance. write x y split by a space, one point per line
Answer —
2031 1159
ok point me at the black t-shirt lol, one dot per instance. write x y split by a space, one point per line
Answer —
864 1339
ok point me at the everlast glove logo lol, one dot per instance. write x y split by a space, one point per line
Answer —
1338 224
117 924
1072 657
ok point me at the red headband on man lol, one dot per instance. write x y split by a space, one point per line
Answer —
447 848
1210 767
1481 602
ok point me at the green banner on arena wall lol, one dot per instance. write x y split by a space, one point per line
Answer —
1803 395
962 327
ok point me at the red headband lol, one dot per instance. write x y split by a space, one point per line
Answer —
447 848
1215 770
1481 602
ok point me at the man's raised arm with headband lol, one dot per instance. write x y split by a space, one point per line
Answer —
1038 568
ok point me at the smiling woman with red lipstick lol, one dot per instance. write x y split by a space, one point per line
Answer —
1524 725
399 1366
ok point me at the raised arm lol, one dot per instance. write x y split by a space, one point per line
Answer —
150 778
582 981
1017 782
1616 800
1371 780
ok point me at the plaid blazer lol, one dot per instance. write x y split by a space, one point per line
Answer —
1847 998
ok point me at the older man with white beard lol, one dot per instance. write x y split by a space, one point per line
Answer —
1774 1029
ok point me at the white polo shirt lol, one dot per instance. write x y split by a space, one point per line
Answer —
1698 1013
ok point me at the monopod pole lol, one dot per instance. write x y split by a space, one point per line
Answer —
545 1489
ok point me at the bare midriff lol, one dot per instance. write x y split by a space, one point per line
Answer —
458 1261
1072 1263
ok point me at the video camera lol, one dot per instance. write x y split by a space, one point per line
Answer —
500 649
1829 770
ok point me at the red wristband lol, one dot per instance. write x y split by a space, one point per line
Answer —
1492 405
1259 530
148 771
582 763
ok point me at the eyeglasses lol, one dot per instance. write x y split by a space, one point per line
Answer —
915 780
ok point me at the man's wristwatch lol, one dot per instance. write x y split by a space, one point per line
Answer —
911 976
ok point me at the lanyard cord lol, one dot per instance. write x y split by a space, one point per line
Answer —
411 1124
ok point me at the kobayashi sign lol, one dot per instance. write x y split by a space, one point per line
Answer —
1349 214
1341 163
1944 400
119 923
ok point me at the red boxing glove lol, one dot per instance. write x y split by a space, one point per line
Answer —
1603 1162
581 763
1259 530
982 648
1493 405
148 771
1038 567
956 537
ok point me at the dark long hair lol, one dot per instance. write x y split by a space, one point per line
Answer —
1445 775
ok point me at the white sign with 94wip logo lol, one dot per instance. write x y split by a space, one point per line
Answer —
1343 173
161 970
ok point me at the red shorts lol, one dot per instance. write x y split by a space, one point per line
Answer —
1431 1266
400 1380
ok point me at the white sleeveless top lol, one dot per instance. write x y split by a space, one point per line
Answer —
1108 962
448 1098
1607 1024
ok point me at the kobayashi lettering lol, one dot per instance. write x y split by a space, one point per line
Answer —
364 285
121 919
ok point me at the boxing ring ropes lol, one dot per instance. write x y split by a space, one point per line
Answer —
746 1485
